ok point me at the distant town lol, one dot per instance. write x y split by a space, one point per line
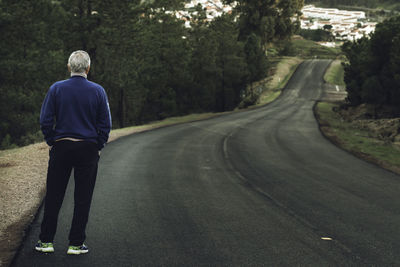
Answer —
344 25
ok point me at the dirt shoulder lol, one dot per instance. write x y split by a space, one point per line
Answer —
22 173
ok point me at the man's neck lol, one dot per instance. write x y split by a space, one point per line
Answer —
79 74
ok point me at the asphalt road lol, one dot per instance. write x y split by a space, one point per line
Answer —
260 187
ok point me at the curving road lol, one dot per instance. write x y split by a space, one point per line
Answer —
259 187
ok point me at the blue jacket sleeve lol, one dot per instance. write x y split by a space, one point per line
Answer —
47 116
103 120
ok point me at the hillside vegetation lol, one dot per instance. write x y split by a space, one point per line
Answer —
372 70
310 49
151 66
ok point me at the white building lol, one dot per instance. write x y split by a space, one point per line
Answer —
331 13
345 24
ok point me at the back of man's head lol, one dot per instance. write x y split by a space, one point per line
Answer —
79 61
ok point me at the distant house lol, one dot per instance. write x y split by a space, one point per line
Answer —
213 8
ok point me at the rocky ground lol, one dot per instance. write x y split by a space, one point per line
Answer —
384 129
377 122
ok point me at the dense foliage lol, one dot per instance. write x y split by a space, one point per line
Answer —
151 66
268 19
372 74
319 35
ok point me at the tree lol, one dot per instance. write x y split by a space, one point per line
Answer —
356 71
372 73
255 58
270 20
317 35
230 62
203 66
165 57
29 60
395 70
116 61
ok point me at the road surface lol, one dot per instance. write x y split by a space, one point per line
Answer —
252 188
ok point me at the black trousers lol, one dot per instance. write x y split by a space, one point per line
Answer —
65 155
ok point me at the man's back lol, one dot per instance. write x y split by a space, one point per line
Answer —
80 109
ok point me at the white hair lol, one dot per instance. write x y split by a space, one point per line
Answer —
79 61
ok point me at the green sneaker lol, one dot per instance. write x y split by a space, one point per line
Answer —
44 247
76 250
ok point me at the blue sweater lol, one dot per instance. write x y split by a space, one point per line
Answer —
76 108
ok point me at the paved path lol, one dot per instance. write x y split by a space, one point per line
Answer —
260 187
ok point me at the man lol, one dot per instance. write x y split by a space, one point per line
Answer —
75 121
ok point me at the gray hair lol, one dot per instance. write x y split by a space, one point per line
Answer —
79 61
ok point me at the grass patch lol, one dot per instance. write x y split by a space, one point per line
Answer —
335 73
268 97
310 49
355 140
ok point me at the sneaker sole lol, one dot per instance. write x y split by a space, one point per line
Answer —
46 250
77 252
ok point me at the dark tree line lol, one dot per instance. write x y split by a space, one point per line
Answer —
372 74
319 35
151 66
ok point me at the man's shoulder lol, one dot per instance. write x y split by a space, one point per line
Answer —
99 89
95 85
58 83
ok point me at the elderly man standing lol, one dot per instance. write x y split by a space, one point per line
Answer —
75 120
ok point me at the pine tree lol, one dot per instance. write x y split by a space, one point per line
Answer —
270 20
30 56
